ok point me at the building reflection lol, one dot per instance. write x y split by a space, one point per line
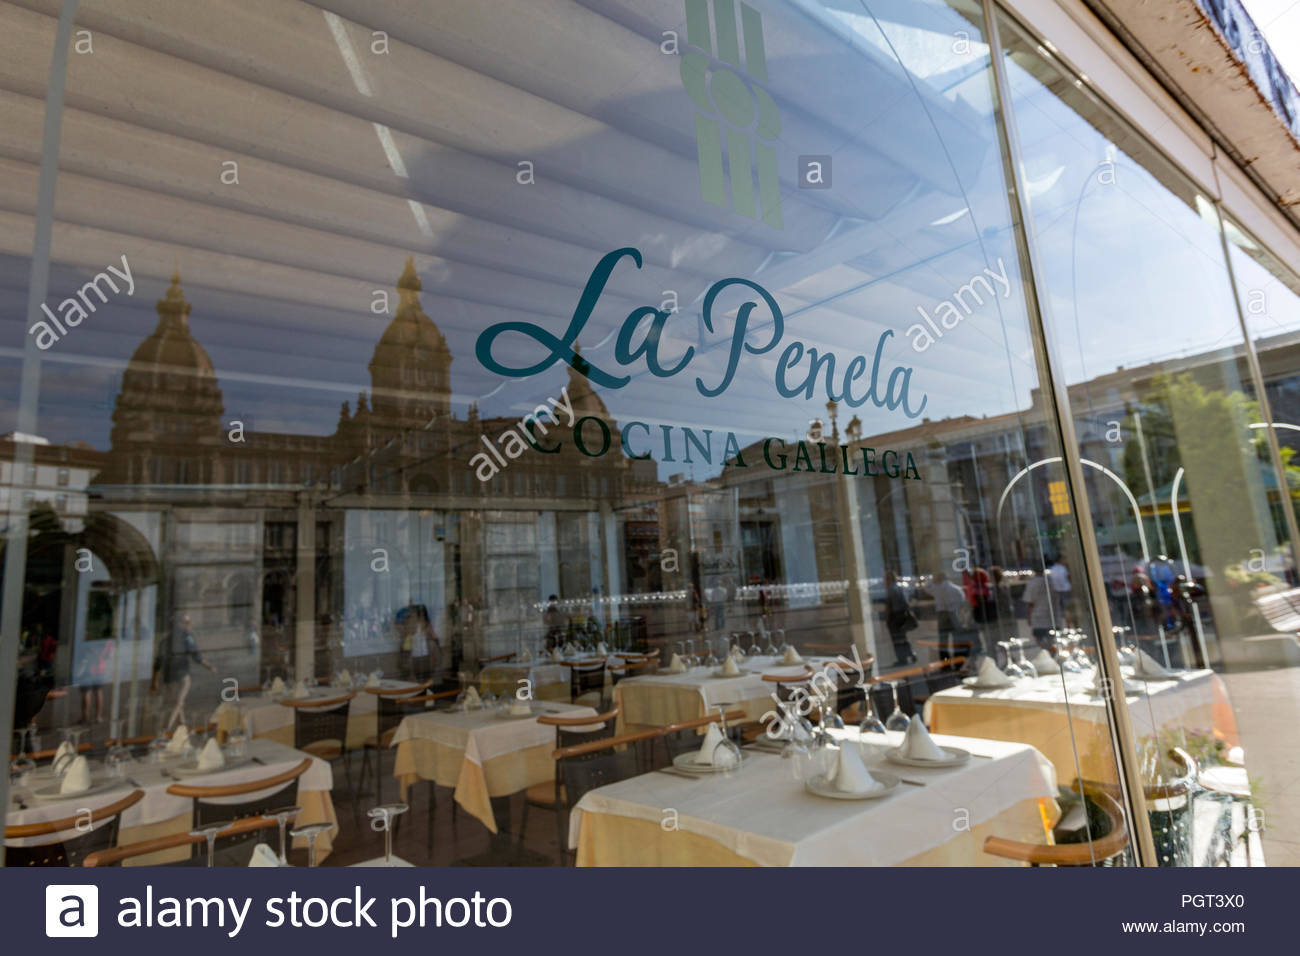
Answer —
296 554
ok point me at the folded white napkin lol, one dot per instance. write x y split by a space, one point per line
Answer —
211 757
300 691
62 757
180 740
918 744
277 686
520 707
730 668
569 650
373 679
1144 665
851 774
1044 663
472 698
525 656
602 650
1095 686
557 654
77 779
711 753
676 665
791 656
990 675
263 855
345 677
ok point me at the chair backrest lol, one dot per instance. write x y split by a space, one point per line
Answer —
572 731
112 856
71 850
586 676
599 762
1088 853
315 721
263 794
940 675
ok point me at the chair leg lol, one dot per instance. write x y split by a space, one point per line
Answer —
433 805
559 834
523 822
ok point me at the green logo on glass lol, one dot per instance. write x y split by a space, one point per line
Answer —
732 104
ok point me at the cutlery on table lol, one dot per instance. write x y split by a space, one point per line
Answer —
678 773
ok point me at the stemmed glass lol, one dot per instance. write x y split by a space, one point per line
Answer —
712 659
209 831
1023 663
282 816
770 649
897 720
728 745
690 655
1011 670
381 818
118 754
828 718
871 724
753 645
782 647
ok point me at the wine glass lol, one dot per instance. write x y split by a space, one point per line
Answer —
782 646
1023 663
1011 670
753 645
897 720
828 717
730 752
712 659
770 649
795 753
381 818
871 724
118 754
282 816
690 652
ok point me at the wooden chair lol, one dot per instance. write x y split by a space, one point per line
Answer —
587 682
259 801
115 855
585 767
550 796
392 707
1088 853
73 850
1169 807
320 728
144 740
500 658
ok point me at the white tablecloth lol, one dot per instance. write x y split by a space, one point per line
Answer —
486 734
763 814
158 805
713 690
1151 704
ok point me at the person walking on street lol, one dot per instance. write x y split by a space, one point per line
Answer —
182 651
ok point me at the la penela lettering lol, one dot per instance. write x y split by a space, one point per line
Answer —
594 438
794 361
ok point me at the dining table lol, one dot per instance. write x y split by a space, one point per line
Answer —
481 754
668 698
761 814
161 814
546 679
1064 718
